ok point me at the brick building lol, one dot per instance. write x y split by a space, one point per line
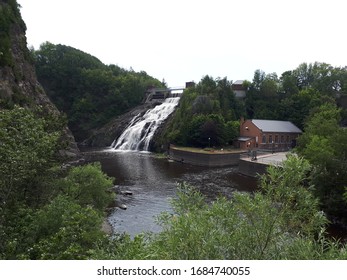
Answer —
267 135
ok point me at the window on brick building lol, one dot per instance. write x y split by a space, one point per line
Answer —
263 139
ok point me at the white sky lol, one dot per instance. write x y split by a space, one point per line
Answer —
183 40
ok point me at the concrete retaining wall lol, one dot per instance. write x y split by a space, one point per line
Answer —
252 168
246 166
205 159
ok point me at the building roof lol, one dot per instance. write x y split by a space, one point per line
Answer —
238 82
276 126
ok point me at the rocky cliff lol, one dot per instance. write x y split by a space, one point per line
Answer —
104 136
18 81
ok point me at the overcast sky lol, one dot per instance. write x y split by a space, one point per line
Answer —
183 40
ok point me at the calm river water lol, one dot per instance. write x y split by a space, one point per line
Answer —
153 181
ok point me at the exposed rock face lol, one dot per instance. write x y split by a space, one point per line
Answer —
104 136
18 81
158 143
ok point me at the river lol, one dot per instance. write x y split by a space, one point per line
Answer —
153 181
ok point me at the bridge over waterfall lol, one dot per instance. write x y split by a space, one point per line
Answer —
160 94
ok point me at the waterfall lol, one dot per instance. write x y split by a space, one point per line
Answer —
141 129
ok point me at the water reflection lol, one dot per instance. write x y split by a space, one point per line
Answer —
153 181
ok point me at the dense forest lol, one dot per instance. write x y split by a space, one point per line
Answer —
89 92
52 211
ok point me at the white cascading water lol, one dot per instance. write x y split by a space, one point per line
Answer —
140 131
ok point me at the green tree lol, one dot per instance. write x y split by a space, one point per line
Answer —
297 106
9 15
324 144
206 115
288 84
88 186
262 96
26 153
66 227
64 230
232 131
304 76
28 144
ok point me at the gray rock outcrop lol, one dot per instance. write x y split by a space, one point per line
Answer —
104 136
